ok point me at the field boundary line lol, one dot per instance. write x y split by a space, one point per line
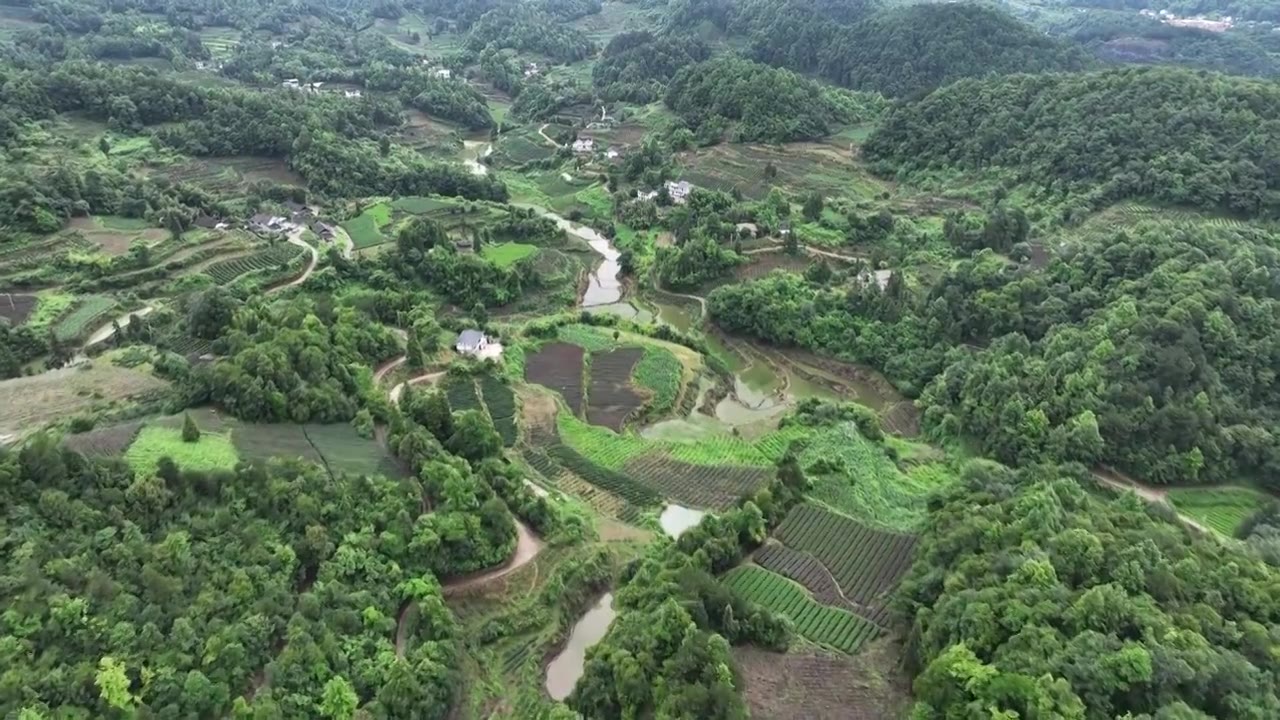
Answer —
854 607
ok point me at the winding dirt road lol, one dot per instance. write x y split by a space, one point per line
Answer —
105 332
295 238
527 544
1153 495
543 132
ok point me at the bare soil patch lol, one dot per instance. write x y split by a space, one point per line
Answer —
16 308
820 686
105 442
558 366
611 399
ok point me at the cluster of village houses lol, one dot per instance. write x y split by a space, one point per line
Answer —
296 216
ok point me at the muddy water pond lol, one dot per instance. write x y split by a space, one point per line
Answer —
565 669
675 519
605 287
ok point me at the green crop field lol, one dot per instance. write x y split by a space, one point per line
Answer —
507 254
88 309
866 563
856 477
1223 509
366 228
461 392
825 625
660 372
212 452
592 339
227 271
501 403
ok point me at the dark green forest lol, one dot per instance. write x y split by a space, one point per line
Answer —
1052 603
1181 137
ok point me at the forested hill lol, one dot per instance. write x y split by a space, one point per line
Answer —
1048 603
896 51
1177 136
907 50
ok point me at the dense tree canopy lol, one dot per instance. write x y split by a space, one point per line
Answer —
757 102
895 51
636 66
1152 348
1173 135
1031 598
190 594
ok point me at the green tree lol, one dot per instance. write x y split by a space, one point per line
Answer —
339 700
190 431
474 436
113 684
104 146
813 205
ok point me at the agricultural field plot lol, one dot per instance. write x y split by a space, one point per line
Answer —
599 499
612 481
855 476
14 309
610 398
427 134
801 167
821 686
104 442
589 337
31 402
525 144
114 235
501 402
38 254
558 366
230 175
832 627
1224 509
766 262
865 562
507 254
275 257
661 373
212 452
804 569
89 311
366 228
461 393
614 450
707 487
221 41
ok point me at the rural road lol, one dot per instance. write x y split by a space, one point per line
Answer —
1155 496
808 249
543 132
295 238
105 332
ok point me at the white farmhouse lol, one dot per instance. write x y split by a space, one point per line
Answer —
471 342
679 191
584 145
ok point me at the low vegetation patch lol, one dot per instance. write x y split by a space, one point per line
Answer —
507 254
660 372
211 452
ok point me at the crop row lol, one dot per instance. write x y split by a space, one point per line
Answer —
461 392
501 402
867 563
87 310
698 486
602 501
615 482
659 371
558 366
805 569
273 257
822 624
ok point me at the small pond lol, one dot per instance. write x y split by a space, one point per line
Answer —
565 669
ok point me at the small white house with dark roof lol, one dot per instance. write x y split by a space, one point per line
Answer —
471 342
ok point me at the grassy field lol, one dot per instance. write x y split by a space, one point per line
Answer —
855 476
366 228
507 254
212 452
49 307
31 402
1223 509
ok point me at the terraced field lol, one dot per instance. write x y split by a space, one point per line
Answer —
462 393
835 628
88 310
610 398
558 366
275 257
14 309
865 562
501 403
704 487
